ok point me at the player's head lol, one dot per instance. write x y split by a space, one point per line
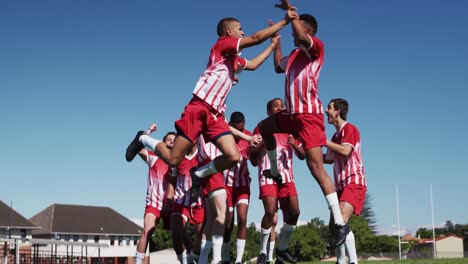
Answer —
229 26
310 23
274 106
169 138
337 108
237 120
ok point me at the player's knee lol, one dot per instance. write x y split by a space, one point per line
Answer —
294 214
174 161
270 214
220 219
233 157
148 231
241 222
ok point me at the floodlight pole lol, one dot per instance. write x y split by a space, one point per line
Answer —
398 220
433 227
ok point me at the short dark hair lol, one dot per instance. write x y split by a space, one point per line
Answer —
270 103
168 134
310 20
237 117
223 24
341 105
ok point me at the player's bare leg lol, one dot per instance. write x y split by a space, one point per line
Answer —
229 226
214 226
150 222
314 158
272 240
178 223
349 245
290 217
270 204
242 210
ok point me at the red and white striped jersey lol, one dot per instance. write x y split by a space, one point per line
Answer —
239 175
158 180
348 169
302 69
285 154
206 151
215 83
184 181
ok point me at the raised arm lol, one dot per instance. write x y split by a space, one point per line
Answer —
300 31
257 61
263 34
143 152
253 140
254 152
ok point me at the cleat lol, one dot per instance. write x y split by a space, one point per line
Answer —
196 186
134 147
277 261
261 259
285 256
278 179
340 233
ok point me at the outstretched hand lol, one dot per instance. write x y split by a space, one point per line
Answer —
275 39
285 5
271 23
151 129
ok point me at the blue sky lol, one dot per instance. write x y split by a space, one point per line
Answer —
79 78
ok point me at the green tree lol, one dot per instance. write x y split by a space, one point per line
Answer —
252 245
306 244
161 239
368 213
362 233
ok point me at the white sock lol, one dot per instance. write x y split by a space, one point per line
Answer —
183 257
350 244
206 170
205 251
139 257
341 254
271 249
265 236
240 249
226 251
334 206
217 245
285 236
149 142
273 157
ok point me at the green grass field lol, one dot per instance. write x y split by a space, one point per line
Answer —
416 261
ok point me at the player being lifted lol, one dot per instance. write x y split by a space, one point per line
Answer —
204 114
303 116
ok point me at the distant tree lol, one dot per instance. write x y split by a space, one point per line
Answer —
306 244
424 233
383 243
461 230
319 226
368 213
449 227
252 244
161 239
362 233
